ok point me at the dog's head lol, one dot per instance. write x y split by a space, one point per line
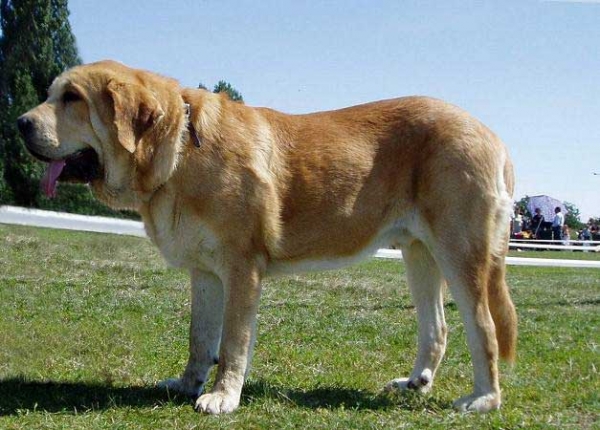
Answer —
116 128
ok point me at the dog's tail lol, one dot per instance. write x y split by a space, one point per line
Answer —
502 311
500 304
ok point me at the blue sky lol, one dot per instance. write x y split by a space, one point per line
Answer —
529 69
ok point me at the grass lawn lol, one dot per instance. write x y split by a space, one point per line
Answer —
90 322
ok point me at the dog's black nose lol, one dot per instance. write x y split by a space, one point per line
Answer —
25 125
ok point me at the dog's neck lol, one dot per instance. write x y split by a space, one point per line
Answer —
203 111
199 117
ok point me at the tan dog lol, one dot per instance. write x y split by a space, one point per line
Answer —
233 193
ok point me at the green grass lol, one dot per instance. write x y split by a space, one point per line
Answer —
90 322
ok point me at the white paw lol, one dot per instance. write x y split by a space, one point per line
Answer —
421 384
217 403
479 404
181 386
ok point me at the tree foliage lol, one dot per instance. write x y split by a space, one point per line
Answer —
225 87
573 216
36 45
521 205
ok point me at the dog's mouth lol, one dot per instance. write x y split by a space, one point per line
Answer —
82 166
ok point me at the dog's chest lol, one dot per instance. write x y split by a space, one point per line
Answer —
183 240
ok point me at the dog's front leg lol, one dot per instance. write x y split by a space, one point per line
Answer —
205 334
242 295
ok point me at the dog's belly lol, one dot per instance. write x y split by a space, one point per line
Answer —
398 234
281 267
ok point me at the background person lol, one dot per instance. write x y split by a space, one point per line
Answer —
536 222
557 224
566 235
517 226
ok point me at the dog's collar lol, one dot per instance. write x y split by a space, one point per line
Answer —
190 126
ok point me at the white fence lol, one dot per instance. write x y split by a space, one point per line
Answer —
65 221
39 218
592 242
586 246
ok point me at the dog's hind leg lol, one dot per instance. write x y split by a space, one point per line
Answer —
205 334
467 272
426 285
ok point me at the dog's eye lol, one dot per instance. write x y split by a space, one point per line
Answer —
70 97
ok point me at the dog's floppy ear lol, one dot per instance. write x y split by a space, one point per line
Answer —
136 111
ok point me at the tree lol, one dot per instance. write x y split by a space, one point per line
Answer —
225 87
19 170
36 45
572 217
522 206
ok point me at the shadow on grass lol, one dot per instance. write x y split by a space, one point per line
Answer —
18 395
341 398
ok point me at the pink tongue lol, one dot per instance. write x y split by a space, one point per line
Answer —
50 178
